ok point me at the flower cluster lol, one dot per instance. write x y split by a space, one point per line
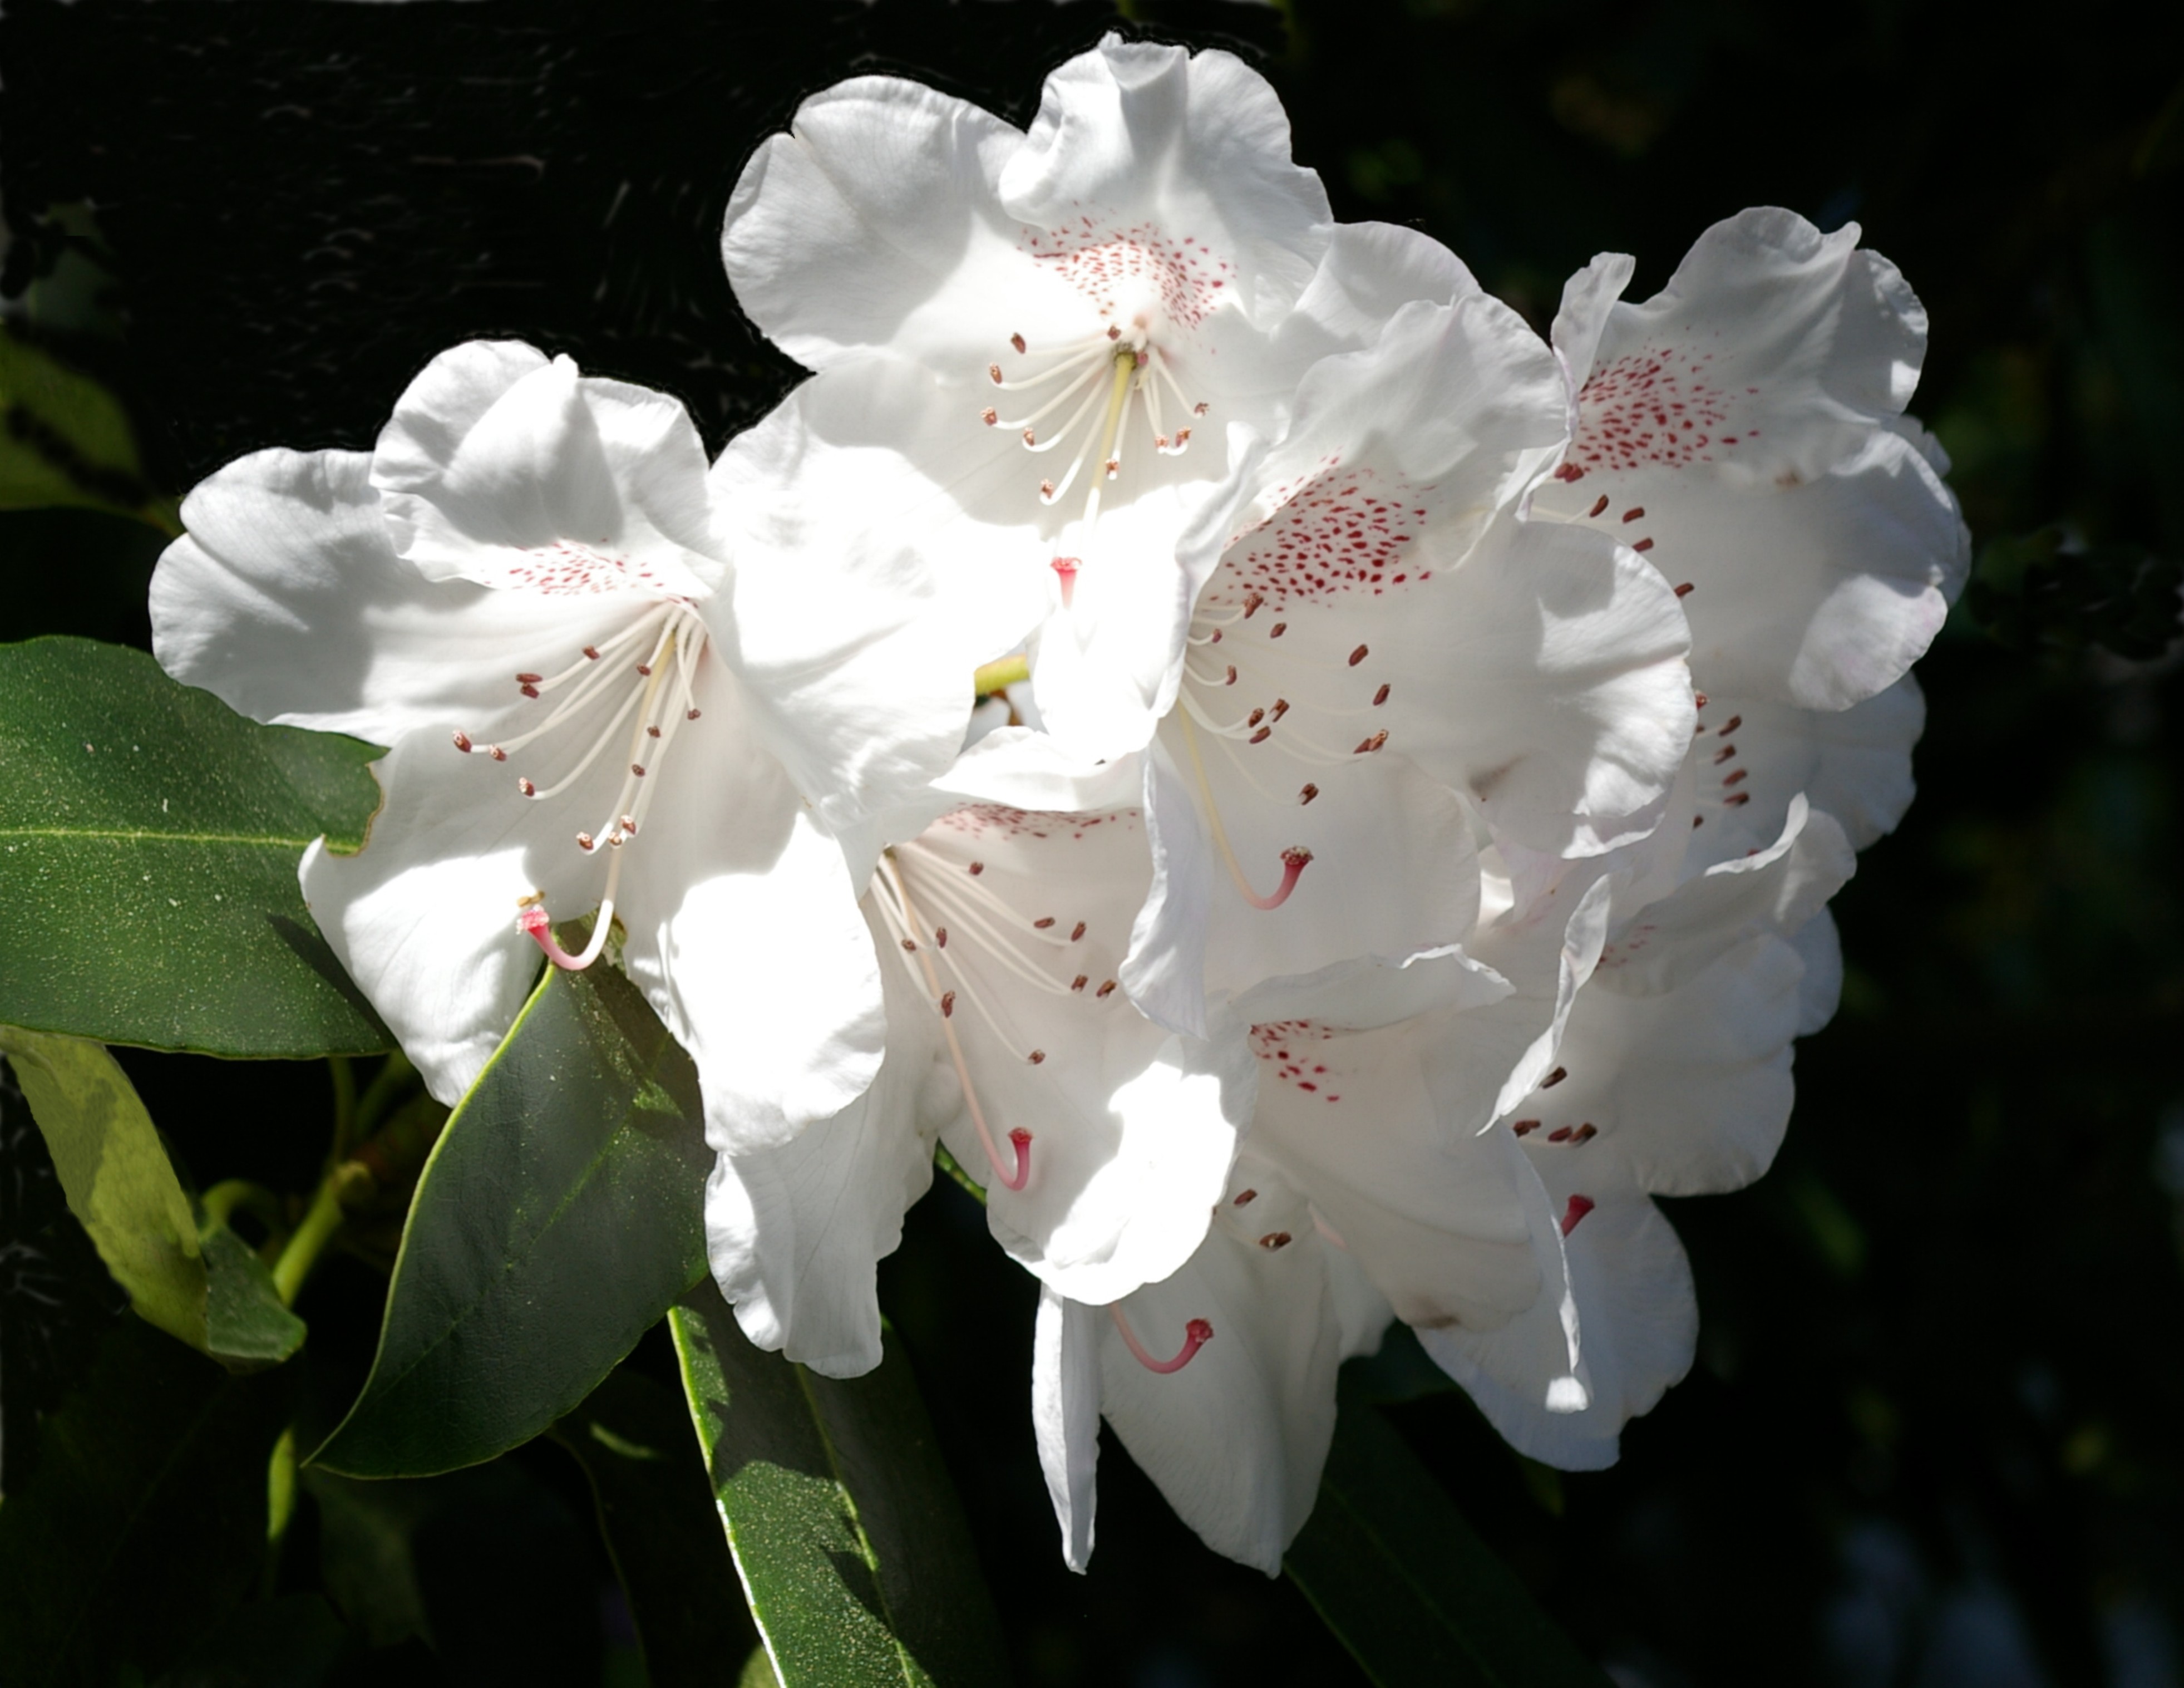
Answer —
1401 851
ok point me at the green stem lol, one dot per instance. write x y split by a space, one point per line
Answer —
317 1230
386 1088
344 1081
949 1164
222 1200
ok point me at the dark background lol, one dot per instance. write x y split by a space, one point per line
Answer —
1932 1438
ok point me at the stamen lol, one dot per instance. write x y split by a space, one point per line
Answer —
1195 1335
1293 860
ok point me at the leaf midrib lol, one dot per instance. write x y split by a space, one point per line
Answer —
253 840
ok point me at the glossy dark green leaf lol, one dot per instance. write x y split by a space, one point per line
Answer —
149 837
1412 1592
846 1531
560 1212
144 1523
633 1437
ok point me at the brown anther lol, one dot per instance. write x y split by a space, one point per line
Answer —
1046 489
1561 1134
529 679
1731 725
1252 603
1182 438
526 787
1030 438
1245 1198
947 1004
583 841
1256 717
1307 793
976 868
1278 630
1274 1239
1634 512
1078 982
1281 708
1381 696
496 753
1114 333
1683 591
652 733
1598 507
1114 467
592 651
1260 737
1738 778
1525 1127
1036 1057
462 741
638 768
1044 922
1699 700
692 715
1554 1078
629 826
990 417
1723 754
1076 931
940 938
1357 656
1736 799
528 691
993 373
1697 821
1199 408
911 944
1231 680
1106 989
1366 746
645 668
1016 341
1586 1133
1160 442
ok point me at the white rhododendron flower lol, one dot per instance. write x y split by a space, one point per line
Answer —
1102 1138
1041 349
598 694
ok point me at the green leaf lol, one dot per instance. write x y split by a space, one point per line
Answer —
247 1325
118 1179
560 1212
145 1521
149 837
1417 1598
64 440
633 1437
210 1291
846 1531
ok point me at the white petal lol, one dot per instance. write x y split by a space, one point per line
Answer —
287 600
1368 272
745 934
1065 1415
795 1234
1199 140
1778 889
1130 1127
1392 875
1753 757
1683 1092
1820 946
424 917
1434 1216
1588 297
874 223
1237 1439
545 479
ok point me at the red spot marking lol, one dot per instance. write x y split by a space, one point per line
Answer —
1579 1205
